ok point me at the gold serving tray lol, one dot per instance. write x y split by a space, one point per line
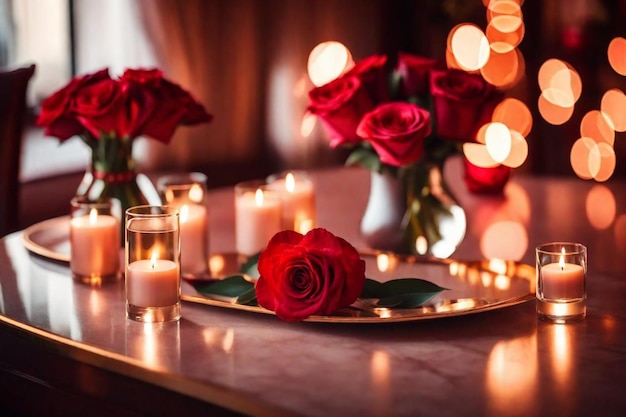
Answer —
473 286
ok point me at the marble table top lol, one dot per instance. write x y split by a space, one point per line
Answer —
496 363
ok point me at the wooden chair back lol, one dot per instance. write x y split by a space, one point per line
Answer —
13 110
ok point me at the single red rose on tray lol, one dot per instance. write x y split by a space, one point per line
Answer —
305 275
396 131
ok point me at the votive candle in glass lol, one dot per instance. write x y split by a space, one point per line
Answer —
257 216
297 193
95 240
152 252
561 281
187 192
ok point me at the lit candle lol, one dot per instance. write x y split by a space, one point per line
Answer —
563 280
193 238
94 245
153 282
257 219
298 199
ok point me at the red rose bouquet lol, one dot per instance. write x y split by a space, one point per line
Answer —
108 114
404 123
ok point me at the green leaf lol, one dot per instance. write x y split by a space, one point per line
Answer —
251 266
401 292
371 289
248 297
232 286
366 157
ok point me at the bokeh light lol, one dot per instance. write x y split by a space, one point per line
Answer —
601 207
560 88
553 114
616 54
613 106
505 33
504 70
469 46
327 61
515 114
498 141
606 161
596 126
504 240
519 150
583 156
478 155
308 124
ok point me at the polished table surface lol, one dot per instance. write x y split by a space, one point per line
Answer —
496 363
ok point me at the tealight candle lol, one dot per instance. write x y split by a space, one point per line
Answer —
297 193
94 241
561 275
257 217
187 193
152 263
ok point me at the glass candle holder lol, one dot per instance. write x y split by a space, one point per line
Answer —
257 216
187 192
561 281
152 252
297 193
95 240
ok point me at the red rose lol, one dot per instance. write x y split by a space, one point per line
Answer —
414 71
486 180
371 72
101 108
340 104
161 105
396 131
55 115
315 274
462 103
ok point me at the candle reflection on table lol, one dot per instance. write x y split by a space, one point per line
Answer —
380 368
512 370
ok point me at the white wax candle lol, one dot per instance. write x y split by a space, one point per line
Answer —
257 219
193 238
94 245
562 280
153 283
298 199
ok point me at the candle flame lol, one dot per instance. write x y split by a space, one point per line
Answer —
196 193
184 213
562 259
290 183
259 197
93 216
154 258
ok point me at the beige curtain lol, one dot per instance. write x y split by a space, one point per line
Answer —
245 60
210 48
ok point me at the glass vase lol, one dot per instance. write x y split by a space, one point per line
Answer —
112 174
412 211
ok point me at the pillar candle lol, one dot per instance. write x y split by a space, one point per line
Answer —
563 280
193 238
257 219
298 200
94 244
153 283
